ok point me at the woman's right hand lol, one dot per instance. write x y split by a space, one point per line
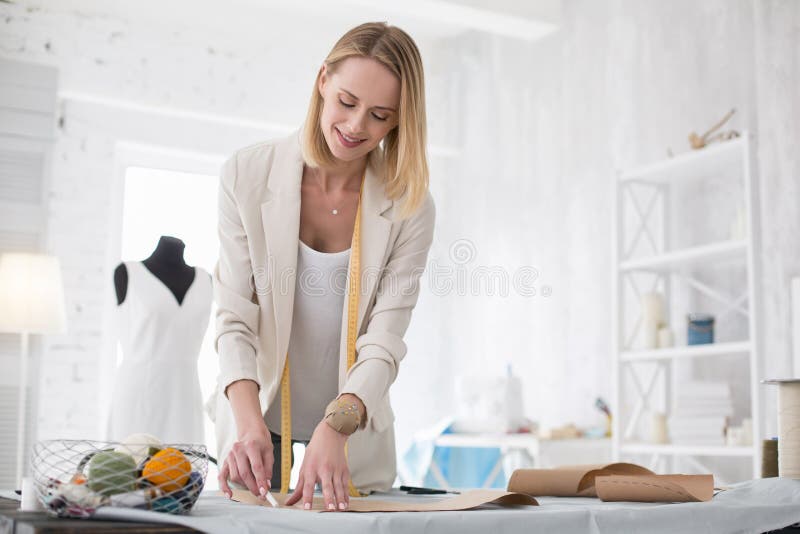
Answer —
249 462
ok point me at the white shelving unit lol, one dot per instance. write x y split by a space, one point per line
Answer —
688 351
667 267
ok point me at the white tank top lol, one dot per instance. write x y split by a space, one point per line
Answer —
314 340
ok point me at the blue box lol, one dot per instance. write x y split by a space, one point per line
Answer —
700 328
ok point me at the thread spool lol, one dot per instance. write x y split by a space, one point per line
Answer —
788 427
769 458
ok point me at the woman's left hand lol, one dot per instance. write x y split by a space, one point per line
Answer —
324 462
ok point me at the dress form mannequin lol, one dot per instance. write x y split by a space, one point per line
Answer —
167 264
162 314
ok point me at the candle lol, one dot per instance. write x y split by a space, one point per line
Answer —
652 318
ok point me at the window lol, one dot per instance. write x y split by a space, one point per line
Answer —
160 202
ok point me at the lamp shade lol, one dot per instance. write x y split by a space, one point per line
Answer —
31 294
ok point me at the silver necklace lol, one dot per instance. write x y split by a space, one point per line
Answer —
334 211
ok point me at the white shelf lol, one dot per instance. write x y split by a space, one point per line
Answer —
709 161
688 450
731 160
518 440
721 250
688 351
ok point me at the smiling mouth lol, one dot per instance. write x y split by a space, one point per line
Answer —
349 140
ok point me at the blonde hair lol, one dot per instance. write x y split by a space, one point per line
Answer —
403 152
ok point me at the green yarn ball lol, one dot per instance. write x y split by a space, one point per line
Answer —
111 472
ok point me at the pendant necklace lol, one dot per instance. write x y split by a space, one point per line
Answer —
334 211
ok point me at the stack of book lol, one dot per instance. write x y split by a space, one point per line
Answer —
700 415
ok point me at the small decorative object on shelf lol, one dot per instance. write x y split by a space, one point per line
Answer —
73 478
700 328
666 338
652 318
740 436
701 141
658 428
601 405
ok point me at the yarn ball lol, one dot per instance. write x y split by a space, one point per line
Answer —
78 479
140 498
168 470
166 504
188 495
139 445
111 472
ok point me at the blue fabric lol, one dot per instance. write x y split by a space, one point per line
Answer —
462 467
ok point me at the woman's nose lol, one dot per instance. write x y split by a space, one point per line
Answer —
356 124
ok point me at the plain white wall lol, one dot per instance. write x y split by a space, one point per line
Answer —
545 125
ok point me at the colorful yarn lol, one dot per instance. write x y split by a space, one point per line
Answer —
139 446
168 505
168 469
189 494
111 472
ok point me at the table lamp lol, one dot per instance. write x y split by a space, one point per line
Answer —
31 302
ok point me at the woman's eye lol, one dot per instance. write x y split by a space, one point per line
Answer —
345 104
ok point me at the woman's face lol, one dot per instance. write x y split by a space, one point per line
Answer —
361 102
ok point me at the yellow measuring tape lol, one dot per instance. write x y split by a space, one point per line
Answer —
352 321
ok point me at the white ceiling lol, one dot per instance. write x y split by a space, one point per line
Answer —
425 19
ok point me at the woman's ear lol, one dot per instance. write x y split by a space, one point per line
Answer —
322 79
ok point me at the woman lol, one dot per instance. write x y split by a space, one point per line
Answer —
288 208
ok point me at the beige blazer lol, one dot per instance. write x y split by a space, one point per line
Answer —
254 284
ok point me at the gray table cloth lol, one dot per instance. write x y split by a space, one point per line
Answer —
749 507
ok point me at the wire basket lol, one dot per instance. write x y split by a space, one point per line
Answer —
73 478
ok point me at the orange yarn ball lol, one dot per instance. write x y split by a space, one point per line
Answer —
168 469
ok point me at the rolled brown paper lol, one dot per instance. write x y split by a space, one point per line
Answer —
568 481
655 488
552 482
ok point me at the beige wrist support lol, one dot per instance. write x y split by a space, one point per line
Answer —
343 416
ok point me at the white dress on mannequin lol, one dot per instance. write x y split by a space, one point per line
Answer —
157 389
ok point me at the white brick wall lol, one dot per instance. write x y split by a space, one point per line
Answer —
134 80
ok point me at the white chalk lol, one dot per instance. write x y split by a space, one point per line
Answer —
29 502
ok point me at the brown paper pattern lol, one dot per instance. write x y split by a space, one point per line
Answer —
464 501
